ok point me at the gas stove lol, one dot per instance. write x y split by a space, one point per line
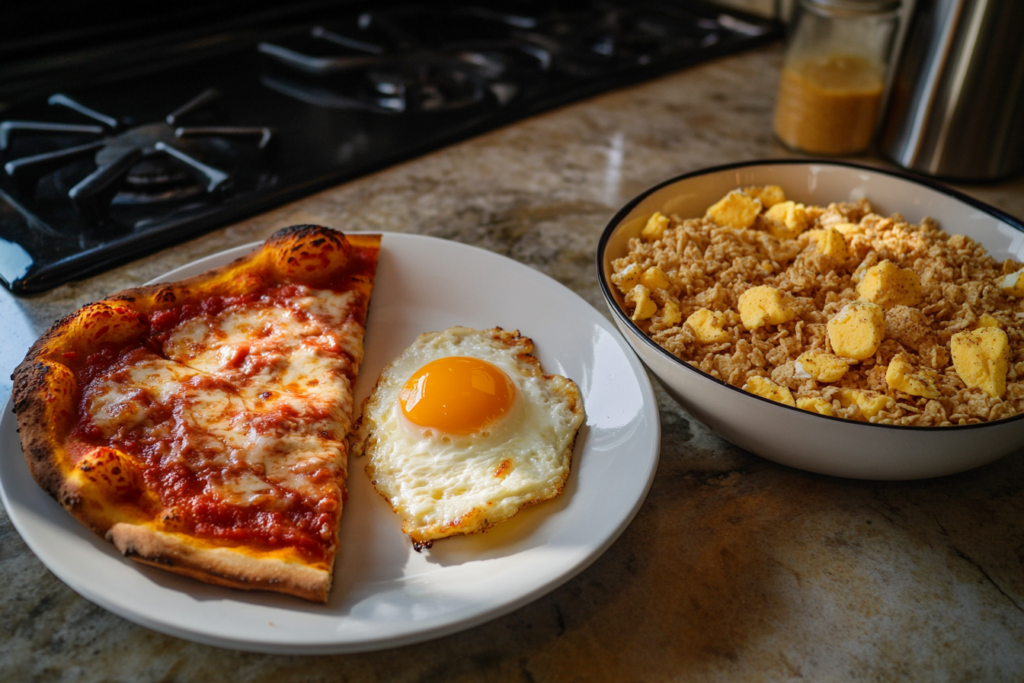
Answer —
151 140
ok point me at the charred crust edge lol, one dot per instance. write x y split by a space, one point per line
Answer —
302 231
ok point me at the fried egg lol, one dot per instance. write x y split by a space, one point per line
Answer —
463 430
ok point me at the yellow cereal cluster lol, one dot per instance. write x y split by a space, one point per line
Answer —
655 228
786 220
831 243
849 229
707 326
628 277
822 367
901 375
857 330
870 402
765 305
645 305
770 390
1013 284
815 405
735 210
889 285
768 195
654 278
671 315
986 320
981 357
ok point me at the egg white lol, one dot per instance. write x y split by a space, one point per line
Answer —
442 484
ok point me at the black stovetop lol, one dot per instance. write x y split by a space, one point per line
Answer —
106 165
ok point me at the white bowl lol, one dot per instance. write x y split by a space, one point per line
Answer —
790 436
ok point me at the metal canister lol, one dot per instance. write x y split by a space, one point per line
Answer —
956 109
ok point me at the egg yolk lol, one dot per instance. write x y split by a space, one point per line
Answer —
459 395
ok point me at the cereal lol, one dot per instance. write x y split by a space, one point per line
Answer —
836 310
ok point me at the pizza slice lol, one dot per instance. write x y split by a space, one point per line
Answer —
201 426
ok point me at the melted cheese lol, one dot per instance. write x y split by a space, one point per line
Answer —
215 433
307 349
334 312
124 405
277 419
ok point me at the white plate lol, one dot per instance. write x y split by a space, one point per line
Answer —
385 594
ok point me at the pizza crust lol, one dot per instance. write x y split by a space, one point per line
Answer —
47 394
43 392
221 566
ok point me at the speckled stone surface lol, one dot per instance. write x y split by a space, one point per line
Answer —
734 568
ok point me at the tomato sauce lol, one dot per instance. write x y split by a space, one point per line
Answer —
203 515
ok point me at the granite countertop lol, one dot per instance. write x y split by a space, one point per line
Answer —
734 569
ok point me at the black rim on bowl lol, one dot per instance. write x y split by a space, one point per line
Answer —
618 312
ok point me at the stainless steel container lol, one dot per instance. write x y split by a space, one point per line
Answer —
956 108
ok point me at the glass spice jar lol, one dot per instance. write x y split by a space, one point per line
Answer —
833 76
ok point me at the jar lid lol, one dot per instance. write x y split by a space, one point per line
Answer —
854 6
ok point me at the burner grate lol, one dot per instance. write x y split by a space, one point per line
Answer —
142 164
622 38
394 62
